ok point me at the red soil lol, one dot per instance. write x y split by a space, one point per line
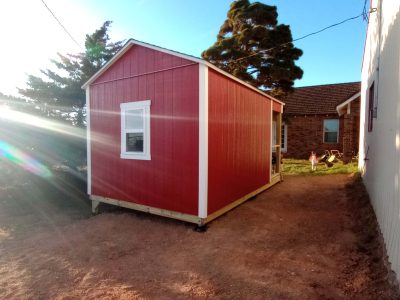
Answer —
305 238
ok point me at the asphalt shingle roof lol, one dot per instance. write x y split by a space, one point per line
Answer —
319 99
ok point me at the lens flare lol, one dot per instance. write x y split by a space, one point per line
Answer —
23 160
9 114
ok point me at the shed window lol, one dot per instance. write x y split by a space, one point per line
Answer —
331 131
135 130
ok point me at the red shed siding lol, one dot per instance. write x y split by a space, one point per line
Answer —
239 133
139 60
276 106
170 179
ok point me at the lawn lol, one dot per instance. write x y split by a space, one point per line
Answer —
303 167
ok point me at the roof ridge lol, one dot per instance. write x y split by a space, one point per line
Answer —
150 44
326 84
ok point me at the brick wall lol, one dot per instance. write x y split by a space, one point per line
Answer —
355 112
305 133
351 130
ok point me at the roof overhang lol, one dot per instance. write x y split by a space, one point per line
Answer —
343 107
128 45
194 59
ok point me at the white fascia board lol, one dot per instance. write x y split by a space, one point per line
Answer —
200 61
342 105
121 52
203 141
127 46
88 144
167 51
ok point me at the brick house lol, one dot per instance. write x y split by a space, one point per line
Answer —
323 117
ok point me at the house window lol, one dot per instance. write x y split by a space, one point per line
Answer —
371 99
331 131
135 130
284 138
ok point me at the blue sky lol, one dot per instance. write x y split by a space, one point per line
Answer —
188 26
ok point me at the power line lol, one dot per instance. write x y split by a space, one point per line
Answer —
365 12
328 27
300 38
62 26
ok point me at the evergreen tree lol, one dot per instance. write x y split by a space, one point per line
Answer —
58 93
249 46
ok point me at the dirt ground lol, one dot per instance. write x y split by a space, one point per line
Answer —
305 238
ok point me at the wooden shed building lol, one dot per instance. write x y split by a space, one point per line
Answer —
173 135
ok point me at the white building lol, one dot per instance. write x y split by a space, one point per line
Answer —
379 156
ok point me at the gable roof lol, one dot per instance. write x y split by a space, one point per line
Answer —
320 99
133 42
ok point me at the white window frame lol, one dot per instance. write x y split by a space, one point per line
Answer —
338 131
284 140
145 107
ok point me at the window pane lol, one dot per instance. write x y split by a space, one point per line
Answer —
134 142
283 137
134 119
330 137
331 125
273 133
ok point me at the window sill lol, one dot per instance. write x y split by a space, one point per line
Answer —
135 156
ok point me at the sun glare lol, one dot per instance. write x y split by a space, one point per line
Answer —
22 159
19 117
4 110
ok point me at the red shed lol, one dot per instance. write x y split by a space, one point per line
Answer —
173 135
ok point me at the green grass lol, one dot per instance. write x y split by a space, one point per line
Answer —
303 167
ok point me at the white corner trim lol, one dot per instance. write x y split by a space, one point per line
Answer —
203 140
342 105
271 142
88 144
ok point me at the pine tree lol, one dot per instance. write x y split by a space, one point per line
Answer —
249 46
58 93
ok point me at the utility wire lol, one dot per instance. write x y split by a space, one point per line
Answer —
300 38
365 12
62 26
328 27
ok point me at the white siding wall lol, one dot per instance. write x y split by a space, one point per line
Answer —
381 65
